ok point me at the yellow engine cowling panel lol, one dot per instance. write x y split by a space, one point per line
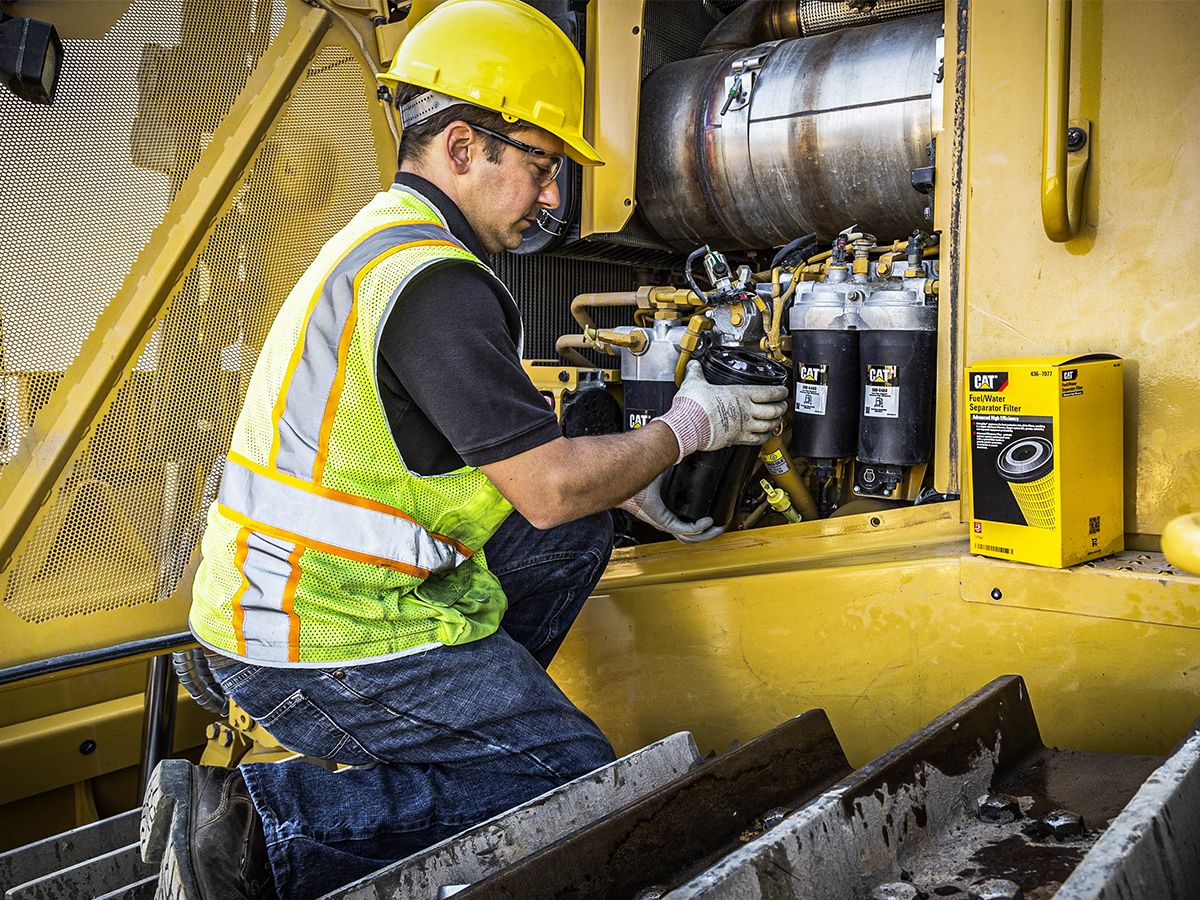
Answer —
1119 286
884 637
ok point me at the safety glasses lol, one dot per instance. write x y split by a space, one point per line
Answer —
546 163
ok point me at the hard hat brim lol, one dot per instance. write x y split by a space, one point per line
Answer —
581 151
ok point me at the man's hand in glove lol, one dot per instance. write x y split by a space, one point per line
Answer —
707 416
647 505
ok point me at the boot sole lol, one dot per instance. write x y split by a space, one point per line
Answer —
165 830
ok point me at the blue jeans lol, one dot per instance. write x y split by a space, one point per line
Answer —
445 738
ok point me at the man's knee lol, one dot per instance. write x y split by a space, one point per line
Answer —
587 752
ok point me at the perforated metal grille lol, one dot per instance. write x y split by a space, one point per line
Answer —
93 177
820 16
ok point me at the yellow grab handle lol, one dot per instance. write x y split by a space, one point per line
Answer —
1181 543
1065 146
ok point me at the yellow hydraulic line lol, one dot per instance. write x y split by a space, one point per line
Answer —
87 387
582 302
697 325
569 345
1181 543
1062 176
633 340
782 471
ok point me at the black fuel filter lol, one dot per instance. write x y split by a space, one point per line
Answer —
827 393
896 427
708 484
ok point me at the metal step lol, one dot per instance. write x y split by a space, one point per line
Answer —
51 854
684 826
511 836
1152 849
972 805
139 890
103 874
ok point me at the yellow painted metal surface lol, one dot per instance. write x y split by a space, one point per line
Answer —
40 754
949 208
614 80
114 345
884 639
1120 286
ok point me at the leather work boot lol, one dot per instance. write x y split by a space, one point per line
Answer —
200 823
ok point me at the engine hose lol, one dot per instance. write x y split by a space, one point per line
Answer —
687 272
196 677
782 471
805 242
774 337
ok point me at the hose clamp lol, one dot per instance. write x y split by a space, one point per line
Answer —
739 83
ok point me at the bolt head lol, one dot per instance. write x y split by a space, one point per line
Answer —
1064 825
999 809
1076 139
997 593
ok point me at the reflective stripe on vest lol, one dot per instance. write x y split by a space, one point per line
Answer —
263 605
341 524
303 413
283 508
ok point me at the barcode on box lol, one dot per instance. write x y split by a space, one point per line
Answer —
994 548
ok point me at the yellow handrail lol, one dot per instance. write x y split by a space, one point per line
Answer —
1064 145
1181 543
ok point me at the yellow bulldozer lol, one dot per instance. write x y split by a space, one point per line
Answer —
865 687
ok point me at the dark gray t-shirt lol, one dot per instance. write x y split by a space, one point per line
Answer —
450 374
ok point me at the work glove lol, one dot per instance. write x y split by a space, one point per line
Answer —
707 416
647 505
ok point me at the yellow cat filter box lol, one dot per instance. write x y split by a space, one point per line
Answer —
1045 458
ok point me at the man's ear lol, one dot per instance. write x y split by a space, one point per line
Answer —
457 140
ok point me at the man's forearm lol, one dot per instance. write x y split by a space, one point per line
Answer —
569 478
620 465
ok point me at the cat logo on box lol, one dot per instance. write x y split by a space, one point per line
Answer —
639 419
812 389
881 394
989 381
1070 385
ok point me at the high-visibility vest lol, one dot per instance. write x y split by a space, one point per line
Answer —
322 546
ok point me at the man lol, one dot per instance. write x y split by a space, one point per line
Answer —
403 536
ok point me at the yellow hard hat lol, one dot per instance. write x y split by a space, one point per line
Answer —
501 55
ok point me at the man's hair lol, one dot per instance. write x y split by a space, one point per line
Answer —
415 139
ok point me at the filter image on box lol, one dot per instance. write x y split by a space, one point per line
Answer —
1027 464
1013 461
